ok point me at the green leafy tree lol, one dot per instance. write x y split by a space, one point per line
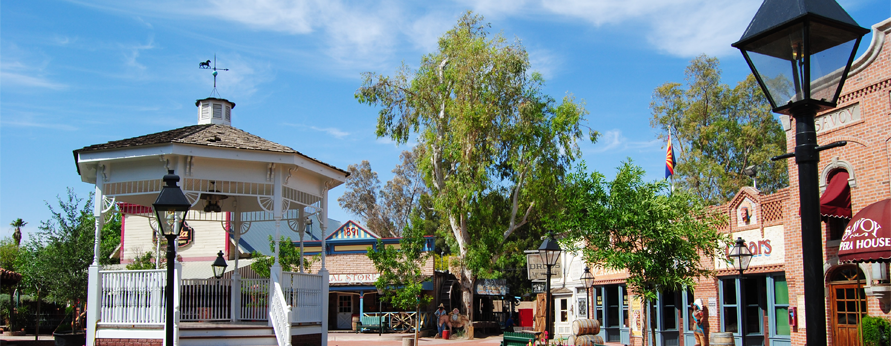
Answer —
145 261
486 128
289 258
660 238
110 238
385 210
400 268
718 131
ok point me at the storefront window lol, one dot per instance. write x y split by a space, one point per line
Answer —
669 311
729 313
612 305
564 310
599 306
781 306
624 291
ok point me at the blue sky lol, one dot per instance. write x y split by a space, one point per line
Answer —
77 73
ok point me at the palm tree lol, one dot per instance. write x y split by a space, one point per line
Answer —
17 235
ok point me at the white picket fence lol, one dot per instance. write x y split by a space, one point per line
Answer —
303 293
206 299
254 299
134 297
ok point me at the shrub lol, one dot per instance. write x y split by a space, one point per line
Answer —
876 331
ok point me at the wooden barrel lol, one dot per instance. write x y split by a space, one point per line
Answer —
722 339
586 327
588 340
570 340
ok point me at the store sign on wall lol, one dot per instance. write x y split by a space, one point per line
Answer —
186 235
767 250
839 118
353 278
537 270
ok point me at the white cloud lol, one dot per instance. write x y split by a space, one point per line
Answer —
609 141
11 79
131 53
544 61
331 131
614 141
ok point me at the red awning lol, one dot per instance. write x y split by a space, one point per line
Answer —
836 200
868 236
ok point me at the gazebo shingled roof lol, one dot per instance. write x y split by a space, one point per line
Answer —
211 135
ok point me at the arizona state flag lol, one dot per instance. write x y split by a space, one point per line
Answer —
669 159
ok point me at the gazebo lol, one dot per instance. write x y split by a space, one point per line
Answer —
230 176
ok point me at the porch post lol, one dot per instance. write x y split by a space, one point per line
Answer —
301 224
93 272
275 272
235 291
177 293
323 222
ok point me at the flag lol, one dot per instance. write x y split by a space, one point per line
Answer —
669 159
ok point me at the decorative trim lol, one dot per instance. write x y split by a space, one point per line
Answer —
834 165
291 172
241 227
266 203
189 165
193 197
104 170
270 171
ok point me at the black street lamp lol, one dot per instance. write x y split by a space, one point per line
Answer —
801 51
588 280
741 258
380 311
219 266
550 253
170 209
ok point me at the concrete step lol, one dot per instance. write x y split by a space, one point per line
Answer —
226 335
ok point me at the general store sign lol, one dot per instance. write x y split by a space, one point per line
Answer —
353 278
537 270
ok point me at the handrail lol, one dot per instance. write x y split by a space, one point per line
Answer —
279 312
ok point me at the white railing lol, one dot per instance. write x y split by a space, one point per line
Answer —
304 293
279 313
205 299
254 299
132 297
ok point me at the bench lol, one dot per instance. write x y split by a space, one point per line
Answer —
371 322
517 339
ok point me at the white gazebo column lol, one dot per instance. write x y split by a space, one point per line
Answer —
235 292
323 223
93 272
301 225
277 216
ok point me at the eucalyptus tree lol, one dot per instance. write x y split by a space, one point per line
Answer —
478 111
718 131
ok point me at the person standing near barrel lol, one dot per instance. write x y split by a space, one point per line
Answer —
698 320
440 324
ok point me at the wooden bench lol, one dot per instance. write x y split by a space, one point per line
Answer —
517 339
371 322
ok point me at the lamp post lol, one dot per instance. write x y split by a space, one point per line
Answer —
550 253
170 209
800 51
588 279
741 258
380 311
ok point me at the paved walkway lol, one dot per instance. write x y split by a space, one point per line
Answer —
351 339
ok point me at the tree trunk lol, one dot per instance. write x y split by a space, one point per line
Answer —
37 328
645 305
466 280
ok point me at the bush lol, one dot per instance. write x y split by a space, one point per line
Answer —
876 331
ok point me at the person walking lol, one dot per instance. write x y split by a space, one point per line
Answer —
440 322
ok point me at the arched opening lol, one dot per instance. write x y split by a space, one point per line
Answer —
835 204
848 304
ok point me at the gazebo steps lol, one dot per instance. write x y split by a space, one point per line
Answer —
226 334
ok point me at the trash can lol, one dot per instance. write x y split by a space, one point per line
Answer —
355 322
445 334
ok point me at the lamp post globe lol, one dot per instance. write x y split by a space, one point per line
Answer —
170 207
588 280
801 51
219 265
550 253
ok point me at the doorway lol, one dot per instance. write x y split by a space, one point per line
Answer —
848 305
344 311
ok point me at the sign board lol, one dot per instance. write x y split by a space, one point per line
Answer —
767 250
538 287
537 270
492 287
353 278
186 235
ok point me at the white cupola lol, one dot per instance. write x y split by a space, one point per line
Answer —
214 110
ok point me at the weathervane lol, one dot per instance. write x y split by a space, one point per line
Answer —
205 65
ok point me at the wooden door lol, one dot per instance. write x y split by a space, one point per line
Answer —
848 307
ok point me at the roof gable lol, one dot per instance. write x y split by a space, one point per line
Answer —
352 230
